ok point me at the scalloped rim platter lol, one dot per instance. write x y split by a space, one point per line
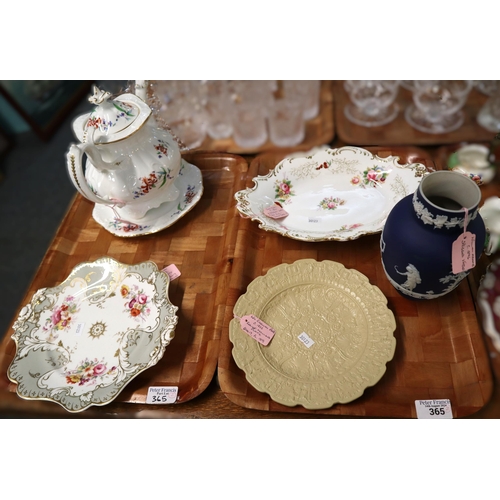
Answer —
80 343
189 182
488 298
346 317
334 194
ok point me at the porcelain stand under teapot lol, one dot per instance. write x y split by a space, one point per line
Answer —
131 162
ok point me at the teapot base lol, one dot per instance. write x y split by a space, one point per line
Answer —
190 188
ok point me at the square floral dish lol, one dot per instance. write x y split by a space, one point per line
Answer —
80 343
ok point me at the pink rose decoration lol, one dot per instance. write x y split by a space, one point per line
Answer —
285 188
142 298
372 175
99 369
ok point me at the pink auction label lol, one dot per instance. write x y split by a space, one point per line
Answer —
257 329
172 271
463 253
275 212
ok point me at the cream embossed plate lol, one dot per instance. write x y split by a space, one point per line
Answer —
80 343
334 194
345 317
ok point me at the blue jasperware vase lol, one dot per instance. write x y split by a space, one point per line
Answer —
416 242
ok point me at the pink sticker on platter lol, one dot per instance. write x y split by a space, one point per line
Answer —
257 329
463 253
275 212
172 271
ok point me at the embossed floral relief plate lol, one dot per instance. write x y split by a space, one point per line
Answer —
346 328
334 194
189 182
80 343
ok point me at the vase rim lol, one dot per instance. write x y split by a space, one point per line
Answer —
457 187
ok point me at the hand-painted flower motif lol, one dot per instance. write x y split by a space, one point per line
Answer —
162 148
356 180
61 318
349 227
331 203
283 190
126 227
137 302
188 198
373 177
152 181
88 372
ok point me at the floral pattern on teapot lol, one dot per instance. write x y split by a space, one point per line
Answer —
125 112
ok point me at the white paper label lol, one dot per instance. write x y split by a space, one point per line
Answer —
433 408
79 329
306 340
162 395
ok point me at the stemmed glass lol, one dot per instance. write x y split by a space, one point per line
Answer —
489 115
437 105
372 101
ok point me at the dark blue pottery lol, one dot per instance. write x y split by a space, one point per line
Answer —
416 242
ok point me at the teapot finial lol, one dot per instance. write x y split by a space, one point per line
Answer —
99 96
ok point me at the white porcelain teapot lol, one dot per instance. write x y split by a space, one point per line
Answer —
131 162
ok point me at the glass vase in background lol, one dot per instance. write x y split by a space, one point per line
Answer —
437 105
372 102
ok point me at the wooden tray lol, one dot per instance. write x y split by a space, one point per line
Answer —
492 409
440 352
319 131
399 131
201 245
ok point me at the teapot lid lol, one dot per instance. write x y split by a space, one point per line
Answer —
112 119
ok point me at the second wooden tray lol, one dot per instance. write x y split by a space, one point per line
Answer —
440 352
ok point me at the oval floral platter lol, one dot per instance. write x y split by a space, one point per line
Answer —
80 343
334 334
334 194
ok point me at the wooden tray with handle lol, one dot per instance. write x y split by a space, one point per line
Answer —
440 351
201 244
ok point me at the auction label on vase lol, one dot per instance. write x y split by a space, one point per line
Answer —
162 395
463 255
433 408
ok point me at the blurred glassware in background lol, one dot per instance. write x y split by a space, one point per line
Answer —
407 84
181 107
489 115
237 109
437 105
372 101
307 92
217 101
487 87
249 123
287 126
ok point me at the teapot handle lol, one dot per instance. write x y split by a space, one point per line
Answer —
74 164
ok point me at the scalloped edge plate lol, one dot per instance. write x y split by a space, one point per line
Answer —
80 343
346 317
334 194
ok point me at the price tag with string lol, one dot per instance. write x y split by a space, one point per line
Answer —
463 252
276 211
256 328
